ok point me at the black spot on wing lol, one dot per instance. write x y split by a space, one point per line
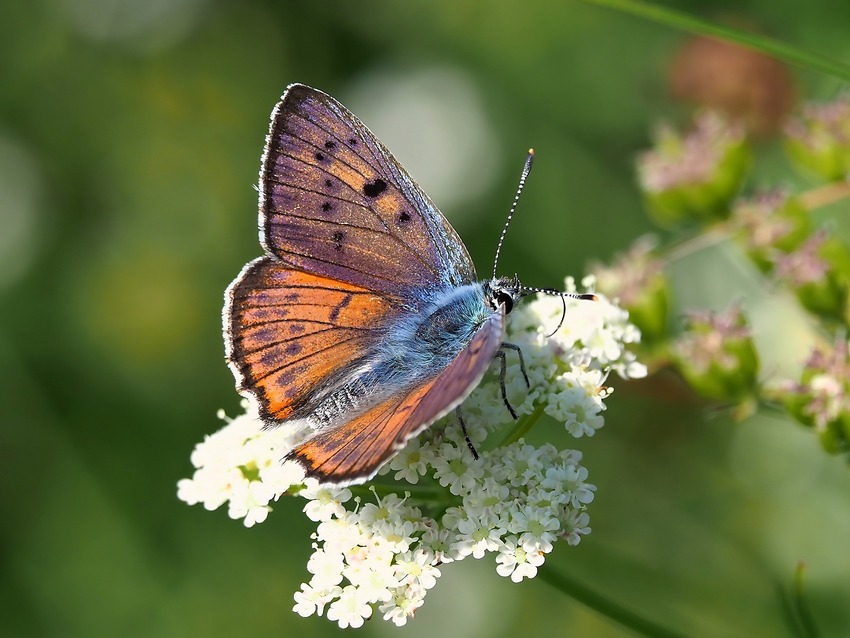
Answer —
339 307
374 188
294 348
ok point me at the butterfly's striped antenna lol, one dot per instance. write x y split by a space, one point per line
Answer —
526 169
530 290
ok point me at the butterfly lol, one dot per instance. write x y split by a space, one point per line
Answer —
364 317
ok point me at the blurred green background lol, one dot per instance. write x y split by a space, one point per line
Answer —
130 138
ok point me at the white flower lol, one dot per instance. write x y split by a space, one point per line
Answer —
477 535
249 501
311 601
324 502
576 526
569 481
326 568
373 579
341 534
417 568
522 463
454 467
412 462
516 561
535 527
401 607
396 536
489 497
437 540
282 476
349 610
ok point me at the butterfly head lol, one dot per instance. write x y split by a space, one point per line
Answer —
503 291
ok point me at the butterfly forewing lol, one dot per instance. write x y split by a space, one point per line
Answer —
335 202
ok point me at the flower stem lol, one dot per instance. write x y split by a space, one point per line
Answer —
604 606
695 243
523 425
811 200
763 44
801 606
418 492
825 195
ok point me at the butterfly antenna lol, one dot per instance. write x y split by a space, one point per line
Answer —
589 296
526 169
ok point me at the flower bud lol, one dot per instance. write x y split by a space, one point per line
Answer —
818 272
716 355
819 139
697 175
770 224
821 399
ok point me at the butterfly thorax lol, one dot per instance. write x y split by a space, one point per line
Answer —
417 347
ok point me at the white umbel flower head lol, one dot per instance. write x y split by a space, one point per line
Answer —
382 554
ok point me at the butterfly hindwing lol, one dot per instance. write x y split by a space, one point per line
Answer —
356 449
287 331
336 203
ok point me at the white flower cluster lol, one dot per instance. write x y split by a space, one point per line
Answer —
240 465
515 502
383 553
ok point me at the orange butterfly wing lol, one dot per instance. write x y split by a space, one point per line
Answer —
354 451
288 330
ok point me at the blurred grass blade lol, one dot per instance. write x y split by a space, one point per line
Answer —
801 607
768 46
603 605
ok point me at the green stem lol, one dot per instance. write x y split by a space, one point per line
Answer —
824 195
425 493
717 234
769 46
696 243
604 606
798 598
522 426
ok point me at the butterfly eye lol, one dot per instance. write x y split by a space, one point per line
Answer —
504 299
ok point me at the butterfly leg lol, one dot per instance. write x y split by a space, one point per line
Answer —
465 433
518 350
503 373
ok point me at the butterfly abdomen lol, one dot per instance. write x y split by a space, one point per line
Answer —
341 402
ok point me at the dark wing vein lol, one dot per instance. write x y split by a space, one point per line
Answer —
381 155
332 327
256 380
365 229
364 206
